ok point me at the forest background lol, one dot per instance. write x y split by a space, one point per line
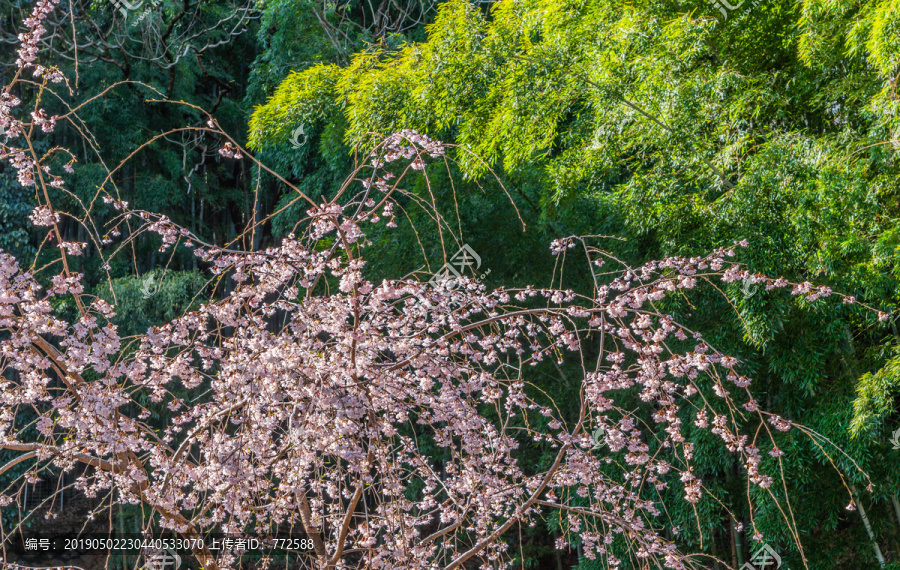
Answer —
676 126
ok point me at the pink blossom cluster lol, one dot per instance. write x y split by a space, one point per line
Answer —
313 407
43 216
25 165
806 289
41 119
29 50
11 127
409 144
229 150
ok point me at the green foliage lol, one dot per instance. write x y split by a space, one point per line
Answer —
876 393
154 298
16 203
680 131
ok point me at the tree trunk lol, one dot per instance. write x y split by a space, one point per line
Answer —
865 519
734 547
